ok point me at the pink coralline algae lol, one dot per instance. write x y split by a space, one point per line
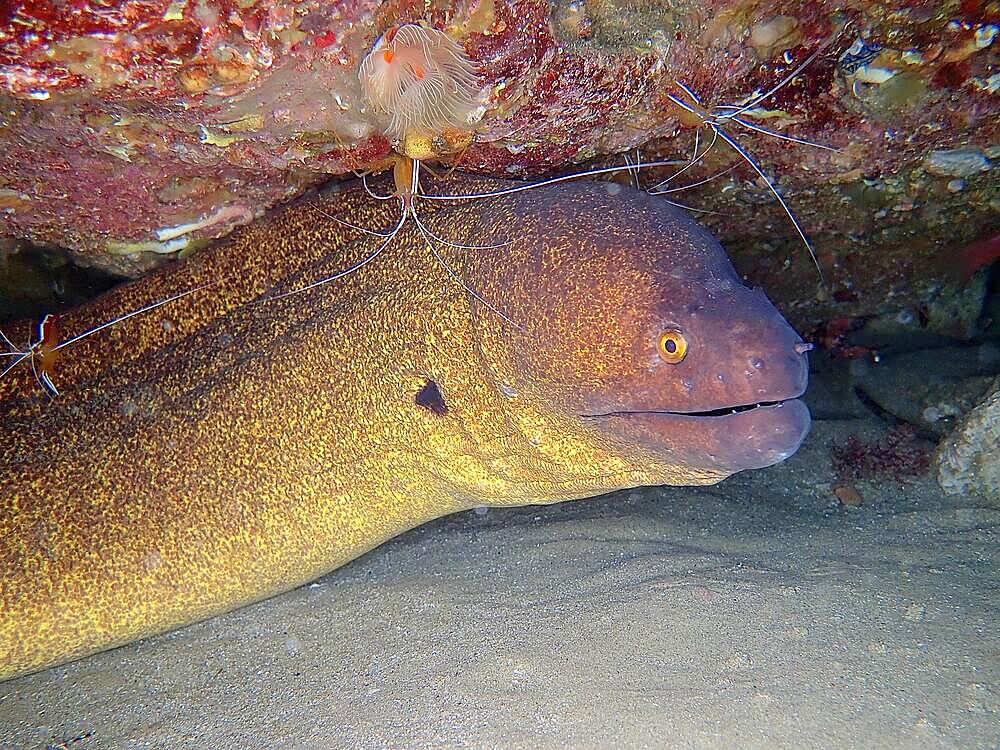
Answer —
132 130
900 453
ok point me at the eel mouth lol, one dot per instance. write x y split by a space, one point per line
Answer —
726 439
723 411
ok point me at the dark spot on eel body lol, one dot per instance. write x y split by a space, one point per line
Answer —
431 399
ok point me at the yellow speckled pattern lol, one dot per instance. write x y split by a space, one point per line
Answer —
226 447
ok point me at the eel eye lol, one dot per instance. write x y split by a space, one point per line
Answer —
673 346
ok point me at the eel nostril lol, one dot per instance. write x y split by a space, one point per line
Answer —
803 346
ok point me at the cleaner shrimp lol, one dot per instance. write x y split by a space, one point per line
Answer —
714 118
44 346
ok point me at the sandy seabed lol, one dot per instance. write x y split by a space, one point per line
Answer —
759 613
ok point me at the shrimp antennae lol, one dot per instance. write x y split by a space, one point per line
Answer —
376 196
35 348
414 193
347 271
693 209
407 210
757 168
780 84
14 350
552 181
133 313
634 168
430 239
783 136
722 112
655 191
695 158
21 356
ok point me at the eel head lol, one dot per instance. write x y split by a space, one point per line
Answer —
633 320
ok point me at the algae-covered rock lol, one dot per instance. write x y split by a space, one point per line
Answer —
968 460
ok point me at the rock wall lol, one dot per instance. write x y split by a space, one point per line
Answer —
134 130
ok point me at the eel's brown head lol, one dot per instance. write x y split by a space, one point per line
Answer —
631 317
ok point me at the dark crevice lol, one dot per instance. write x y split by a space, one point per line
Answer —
879 411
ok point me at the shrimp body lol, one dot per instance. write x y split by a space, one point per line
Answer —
404 173
40 353
46 352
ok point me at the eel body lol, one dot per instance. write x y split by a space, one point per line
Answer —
233 444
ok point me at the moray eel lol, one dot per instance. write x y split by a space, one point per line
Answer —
231 446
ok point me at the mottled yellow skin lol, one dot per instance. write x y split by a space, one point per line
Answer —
220 450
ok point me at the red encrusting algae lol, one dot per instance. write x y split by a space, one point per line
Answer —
901 453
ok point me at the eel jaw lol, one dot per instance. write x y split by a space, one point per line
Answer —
727 439
720 412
